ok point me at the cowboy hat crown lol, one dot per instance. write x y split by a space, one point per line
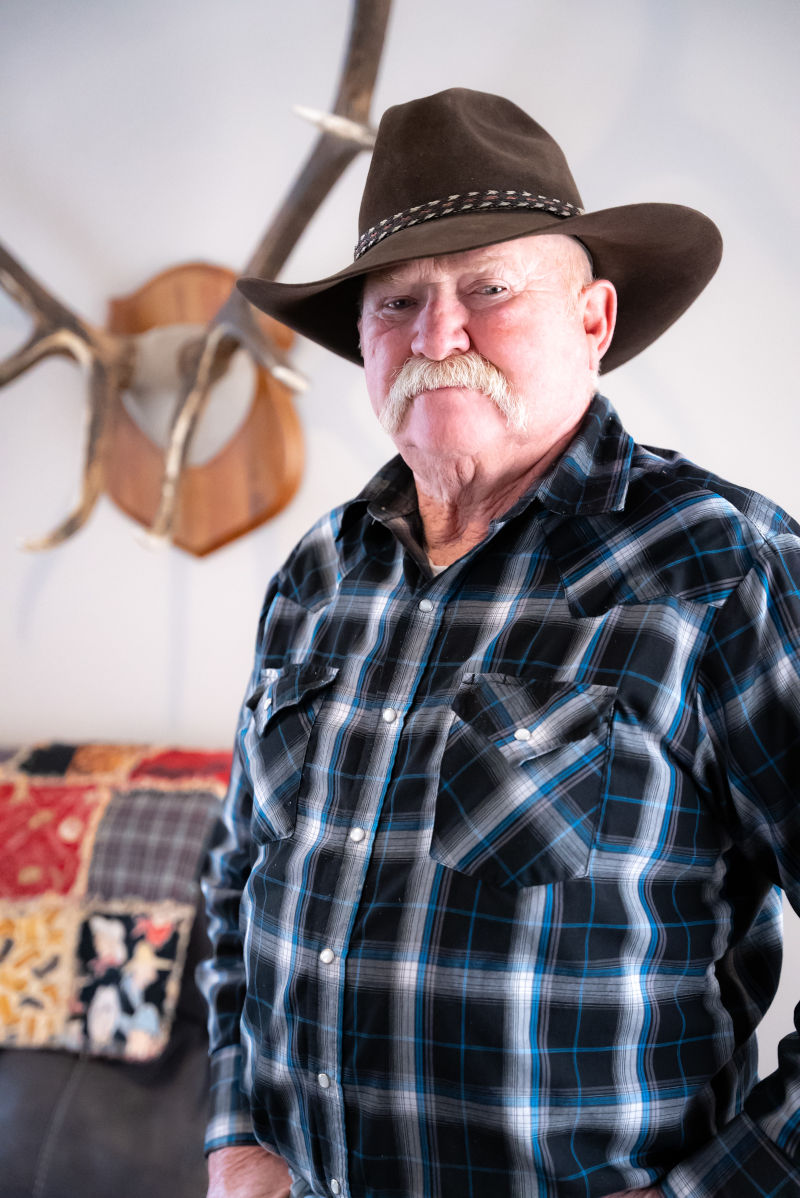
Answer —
464 169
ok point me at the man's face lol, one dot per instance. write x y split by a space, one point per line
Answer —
525 306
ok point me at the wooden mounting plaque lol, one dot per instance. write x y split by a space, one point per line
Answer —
254 475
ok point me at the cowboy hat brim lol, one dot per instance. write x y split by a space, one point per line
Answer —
658 256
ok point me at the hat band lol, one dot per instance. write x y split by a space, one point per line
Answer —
470 201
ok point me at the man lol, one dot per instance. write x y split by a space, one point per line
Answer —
516 770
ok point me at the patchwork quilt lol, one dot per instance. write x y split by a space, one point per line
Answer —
102 850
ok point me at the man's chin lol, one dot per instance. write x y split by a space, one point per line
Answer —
445 444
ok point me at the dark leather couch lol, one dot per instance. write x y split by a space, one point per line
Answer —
83 1127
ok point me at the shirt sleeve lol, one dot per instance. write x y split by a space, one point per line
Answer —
222 977
750 697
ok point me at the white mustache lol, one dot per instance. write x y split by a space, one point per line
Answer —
470 371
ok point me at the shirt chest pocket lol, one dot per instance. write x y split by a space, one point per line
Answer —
283 707
522 780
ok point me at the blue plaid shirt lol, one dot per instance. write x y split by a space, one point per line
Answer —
497 910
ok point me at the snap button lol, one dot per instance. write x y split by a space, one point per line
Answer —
388 715
357 834
324 1081
522 734
425 605
327 956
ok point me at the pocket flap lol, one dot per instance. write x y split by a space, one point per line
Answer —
522 779
286 687
284 705
527 717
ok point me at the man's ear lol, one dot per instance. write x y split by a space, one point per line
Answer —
599 317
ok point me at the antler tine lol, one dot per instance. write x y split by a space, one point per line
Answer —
191 404
103 387
245 330
233 323
58 330
357 81
362 135
215 351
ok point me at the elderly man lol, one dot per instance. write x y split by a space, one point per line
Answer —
516 773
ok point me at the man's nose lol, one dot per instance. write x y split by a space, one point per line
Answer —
441 329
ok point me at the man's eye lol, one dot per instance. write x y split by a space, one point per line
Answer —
399 304
493 289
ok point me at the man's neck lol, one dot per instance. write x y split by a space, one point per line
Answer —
458 502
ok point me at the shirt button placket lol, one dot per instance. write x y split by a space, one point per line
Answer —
357 834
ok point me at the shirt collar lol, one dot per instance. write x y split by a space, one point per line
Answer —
590 477
593 473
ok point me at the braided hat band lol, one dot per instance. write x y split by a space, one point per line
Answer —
471 201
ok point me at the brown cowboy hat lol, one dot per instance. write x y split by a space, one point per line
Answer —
463 169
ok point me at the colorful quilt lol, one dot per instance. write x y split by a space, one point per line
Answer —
102 849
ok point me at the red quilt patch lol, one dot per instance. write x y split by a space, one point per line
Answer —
176 764
46 833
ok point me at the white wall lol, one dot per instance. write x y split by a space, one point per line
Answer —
136 136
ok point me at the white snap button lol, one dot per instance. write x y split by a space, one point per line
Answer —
335 1187
388 715
425 605
324 1080
523 734
327 956
357 834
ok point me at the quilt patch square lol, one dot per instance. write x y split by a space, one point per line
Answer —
129 963
37 953
149 843
183 765
46 831
103 761
52 759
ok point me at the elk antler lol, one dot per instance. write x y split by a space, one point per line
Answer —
58 330
112 357
344 133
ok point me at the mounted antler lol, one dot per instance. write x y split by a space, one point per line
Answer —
112 357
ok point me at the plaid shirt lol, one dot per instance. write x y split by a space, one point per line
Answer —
497 913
